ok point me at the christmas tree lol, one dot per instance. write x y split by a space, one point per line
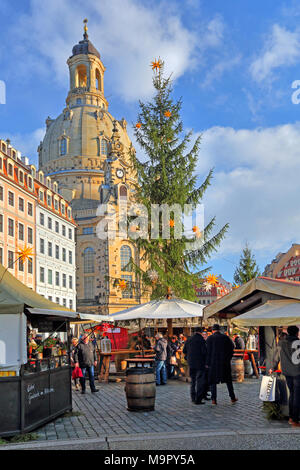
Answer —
247 268
168 177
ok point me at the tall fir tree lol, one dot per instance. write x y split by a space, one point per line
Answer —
168 177
247 268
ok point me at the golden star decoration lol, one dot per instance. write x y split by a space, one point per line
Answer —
171 223
25 253
156 64
212 279
138 125
168 114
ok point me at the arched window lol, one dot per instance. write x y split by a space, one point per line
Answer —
125 255
98 80
81 76
63 146
104 147
89 260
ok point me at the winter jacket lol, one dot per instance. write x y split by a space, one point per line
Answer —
220 350
195 351
288 353
239 343
85 354
161 349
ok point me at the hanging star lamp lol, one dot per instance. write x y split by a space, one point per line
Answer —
122 284
25 253
212 279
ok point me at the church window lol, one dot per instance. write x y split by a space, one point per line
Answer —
81 76
127 293
89 260
78 101
63 146
125 255
98 80
89 287
104 147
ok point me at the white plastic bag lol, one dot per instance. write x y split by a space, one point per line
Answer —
268 388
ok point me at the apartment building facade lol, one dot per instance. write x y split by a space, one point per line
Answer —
33 214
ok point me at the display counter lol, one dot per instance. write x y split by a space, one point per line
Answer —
40 393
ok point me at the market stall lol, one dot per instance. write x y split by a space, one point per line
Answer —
33 389
270 305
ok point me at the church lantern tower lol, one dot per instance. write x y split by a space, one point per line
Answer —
86 150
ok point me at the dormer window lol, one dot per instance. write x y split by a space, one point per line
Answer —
29 182
21 177
10 170
41 177
41 196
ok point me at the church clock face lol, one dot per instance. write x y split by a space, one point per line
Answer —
120 173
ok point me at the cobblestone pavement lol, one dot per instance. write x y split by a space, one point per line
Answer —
105 413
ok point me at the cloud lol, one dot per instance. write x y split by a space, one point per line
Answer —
255 185
27 144
128 35
281 49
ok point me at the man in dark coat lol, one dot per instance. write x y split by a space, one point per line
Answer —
219 353
288 353
85 357
195 353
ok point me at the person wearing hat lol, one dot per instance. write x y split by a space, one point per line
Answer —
195 353
220 350
288 353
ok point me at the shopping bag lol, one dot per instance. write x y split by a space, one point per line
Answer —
173 361
77 373
268 388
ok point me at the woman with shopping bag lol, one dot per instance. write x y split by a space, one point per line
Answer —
76 371
288 353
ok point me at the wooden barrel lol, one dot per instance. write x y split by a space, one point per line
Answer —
140 388
248 367
237 369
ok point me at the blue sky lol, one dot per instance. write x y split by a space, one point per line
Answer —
233 64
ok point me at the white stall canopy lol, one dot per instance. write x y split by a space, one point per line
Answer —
272 313
161 309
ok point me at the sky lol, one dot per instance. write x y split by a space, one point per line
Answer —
234 65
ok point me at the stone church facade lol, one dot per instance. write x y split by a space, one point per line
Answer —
86 151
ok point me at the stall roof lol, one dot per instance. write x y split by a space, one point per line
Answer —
251 295
75 317
272 313
161 309
15 296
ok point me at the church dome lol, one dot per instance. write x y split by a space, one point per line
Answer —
85 47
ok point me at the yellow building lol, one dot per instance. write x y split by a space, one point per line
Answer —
87 152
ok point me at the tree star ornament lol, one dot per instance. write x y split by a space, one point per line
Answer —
168 114
138 125
156 65
171 223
